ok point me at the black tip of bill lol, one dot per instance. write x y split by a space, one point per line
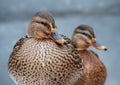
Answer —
105 49
99 46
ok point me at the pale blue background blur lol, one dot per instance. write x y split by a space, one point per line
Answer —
102 15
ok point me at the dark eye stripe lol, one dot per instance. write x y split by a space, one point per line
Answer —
85 34
44 23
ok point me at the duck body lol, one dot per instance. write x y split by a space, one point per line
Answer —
94 70
43 62
41 58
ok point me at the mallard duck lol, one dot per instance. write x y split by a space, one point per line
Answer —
41 58
94 70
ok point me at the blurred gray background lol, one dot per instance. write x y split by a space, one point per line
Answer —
102 15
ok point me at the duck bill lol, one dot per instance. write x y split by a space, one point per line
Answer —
57 38
99 46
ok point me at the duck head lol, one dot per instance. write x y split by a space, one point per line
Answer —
84 37
42 26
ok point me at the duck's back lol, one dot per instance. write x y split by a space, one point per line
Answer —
43 62
94 72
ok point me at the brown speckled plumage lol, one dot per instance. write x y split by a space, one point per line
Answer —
41 61
95 72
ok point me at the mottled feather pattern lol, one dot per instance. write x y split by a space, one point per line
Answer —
44 62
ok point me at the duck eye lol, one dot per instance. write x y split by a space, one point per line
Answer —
86 35
83 33
43 23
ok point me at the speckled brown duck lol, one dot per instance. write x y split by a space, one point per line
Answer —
94 72
40 58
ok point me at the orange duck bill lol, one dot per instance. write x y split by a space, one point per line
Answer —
57 38
99 46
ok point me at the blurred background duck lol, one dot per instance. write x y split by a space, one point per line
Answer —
94 70
40 58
